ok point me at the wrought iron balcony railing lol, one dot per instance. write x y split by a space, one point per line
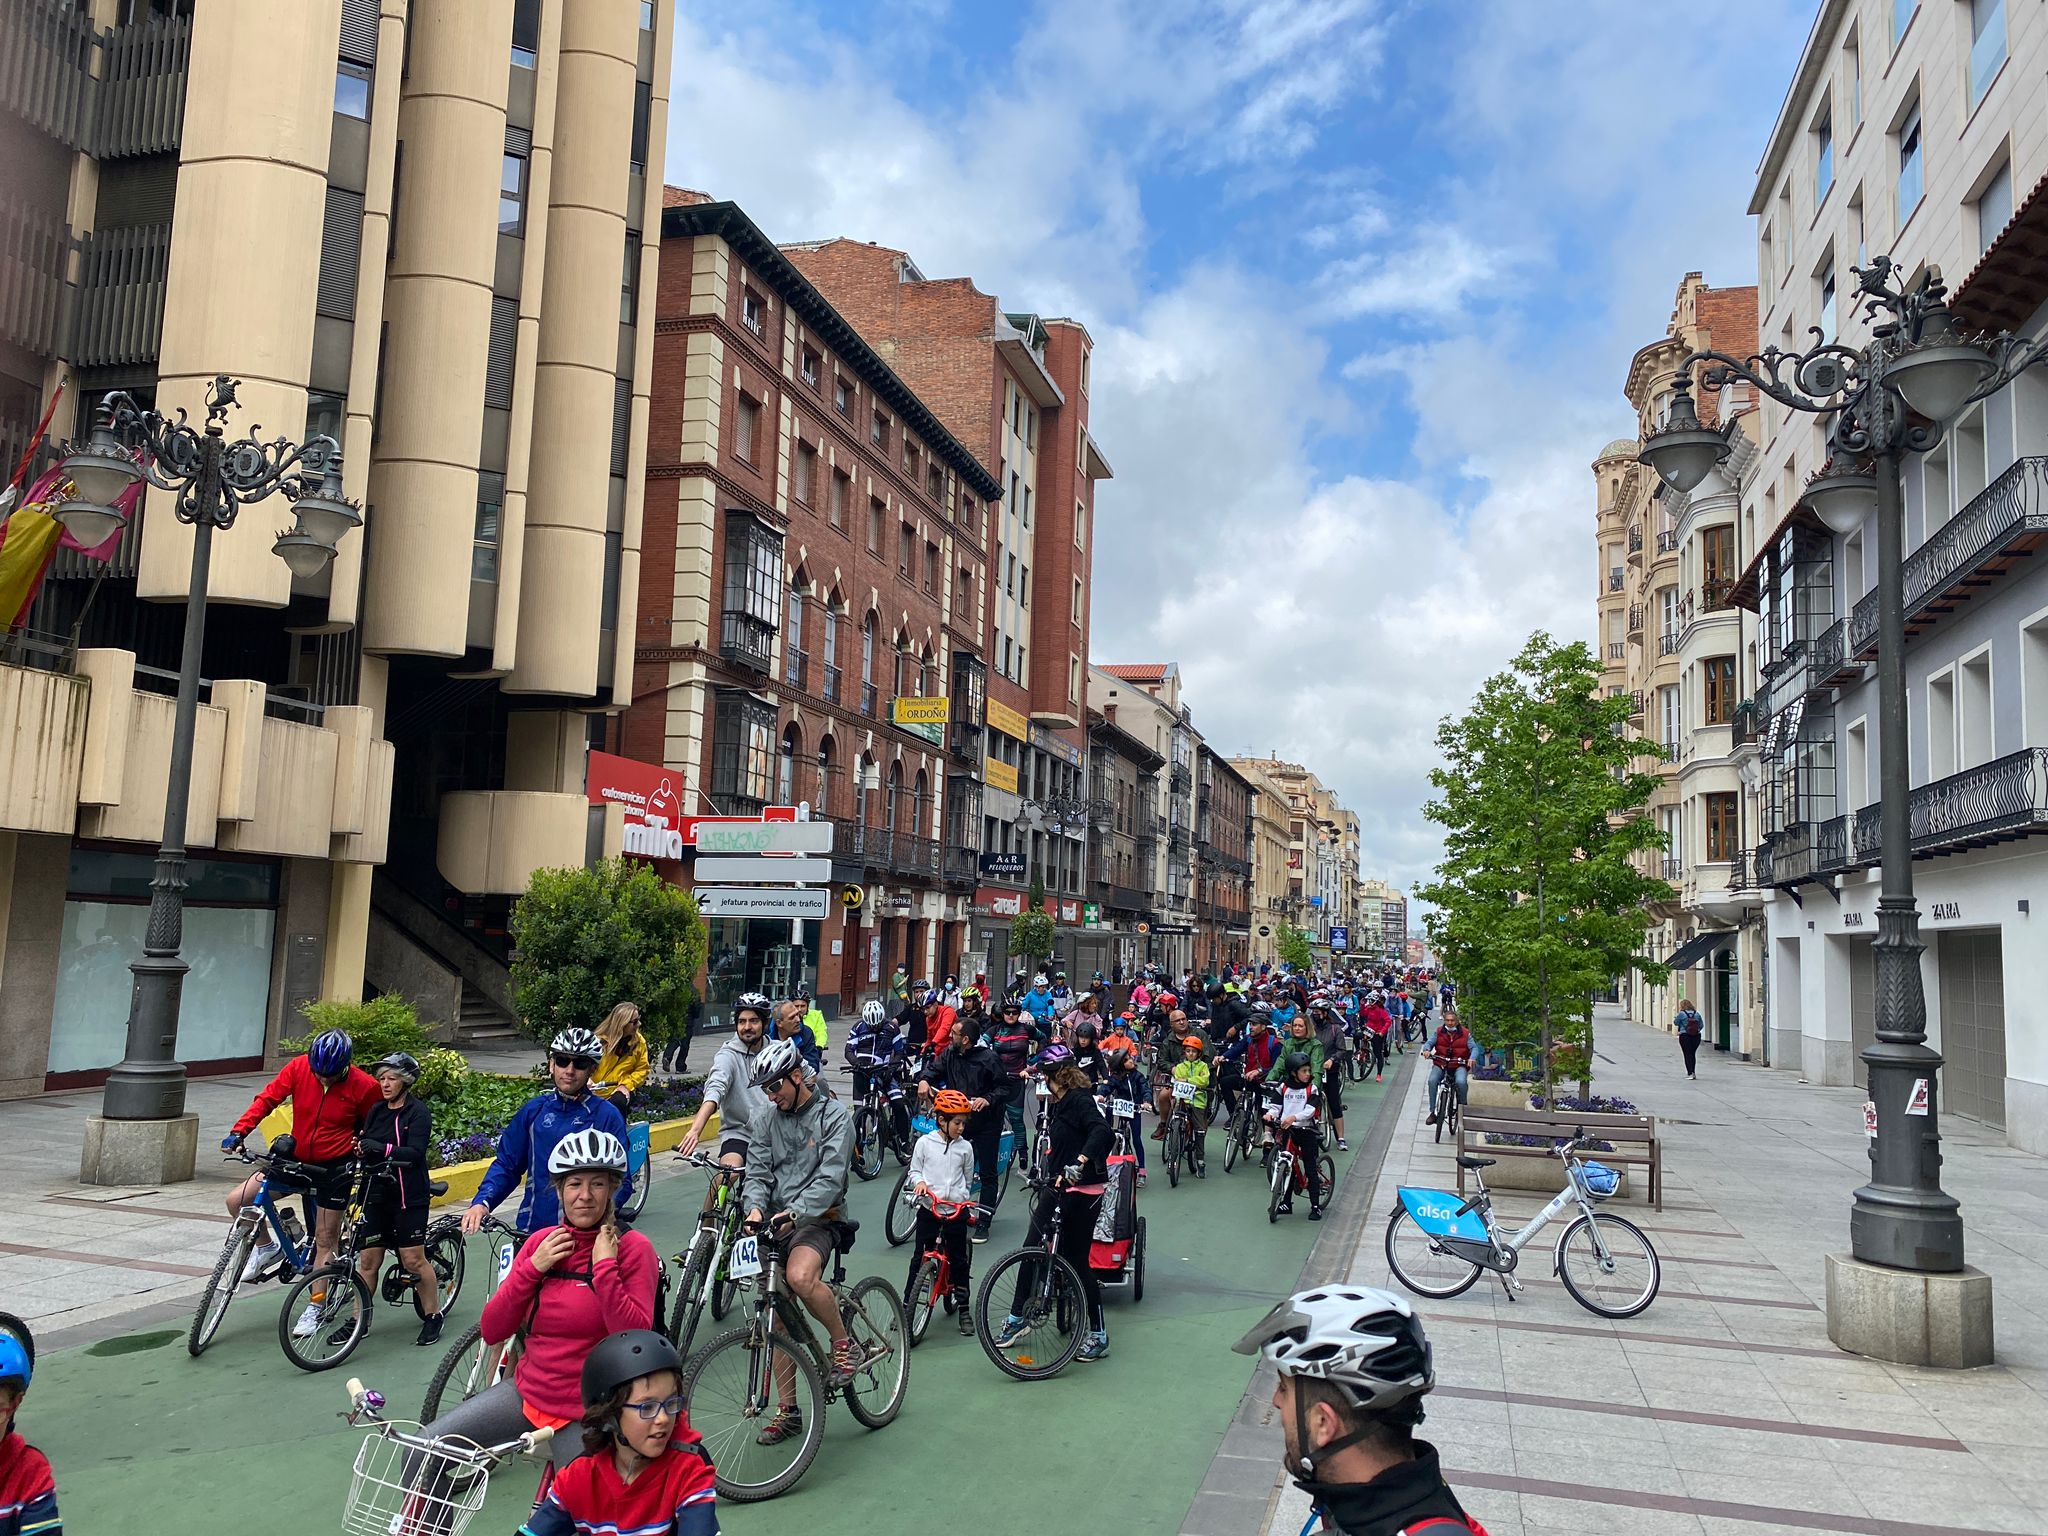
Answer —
1617 650
1635 618
1667 542
1667 643
1616 578
831 691
1635 541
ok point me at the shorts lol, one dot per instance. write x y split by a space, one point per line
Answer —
1333 1088
733 1146
387 1224
327 1182
820 1235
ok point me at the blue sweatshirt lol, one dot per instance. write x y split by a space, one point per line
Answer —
523 1152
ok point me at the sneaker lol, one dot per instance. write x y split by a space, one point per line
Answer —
978 1235
1377 1078
265 1254
786 1423
1343 1145
1158 1135
1141 1178
430 1330
308 1323
1013 1329
846 1360
340 1335
1315 1213
1430 1120
1095 1348
1286 1207
965 1315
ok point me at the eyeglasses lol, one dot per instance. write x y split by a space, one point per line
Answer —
656 1408
585 1062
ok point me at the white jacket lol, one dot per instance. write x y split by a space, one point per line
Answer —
947 1166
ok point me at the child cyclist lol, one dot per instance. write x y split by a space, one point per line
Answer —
942 1171
1121 1079
643 1468
1192 1069
28 1493
1296 1117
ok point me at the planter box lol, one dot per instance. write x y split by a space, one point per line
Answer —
1543 1174
662 1136
1497 1094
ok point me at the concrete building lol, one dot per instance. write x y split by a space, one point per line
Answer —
1684 661
1322 849
1394 921
1145 700
386 220
1223 800
1270 849
1912 129
816 551
1012 388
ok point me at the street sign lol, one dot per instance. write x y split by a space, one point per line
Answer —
1003 866
740 901
1340 936
851 896
764 871
1265 932
779 837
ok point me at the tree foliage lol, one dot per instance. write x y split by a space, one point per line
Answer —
586 939
1291 944
1032 931
1538 900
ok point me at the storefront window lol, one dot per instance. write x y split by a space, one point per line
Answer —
758 954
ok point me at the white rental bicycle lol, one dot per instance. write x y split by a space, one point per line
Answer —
1437 1244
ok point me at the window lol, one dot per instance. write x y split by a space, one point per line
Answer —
874 526
878 430
525 33
1994 206
1024 586
793 629
629 281
1718 689
1856 224
906 543
742 748
646 15
490 502
931 569
512 195
753 312
1010 576
935 484
867 665
1085 357
1856 767
1724 826
1080 525
1987 45
1827 297
810 366
1941 725
352 90
842 396
1077 599
829 654
746 422
1902 16
806 472
1973 710
752 609
1023 667
1766 266
1912 170
1027 506
963 593
1823 156
842 485
1852 61
910 460
2034 681
1073 679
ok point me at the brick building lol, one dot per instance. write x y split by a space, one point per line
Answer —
816 548
1013 389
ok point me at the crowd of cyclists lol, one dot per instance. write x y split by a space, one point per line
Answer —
582 1290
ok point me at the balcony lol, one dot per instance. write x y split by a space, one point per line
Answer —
961 866
831 692
46 69
1178 778
142 88
1977 547
1636 704
1747 724
1667 643
1635 618
746 641
1617 650
1667 543
1713 594
1826 665
1616 578
119 312
1635 541
796 669
1672 866
867 700
33 252
1129 898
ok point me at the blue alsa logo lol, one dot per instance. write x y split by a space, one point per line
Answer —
1436 1212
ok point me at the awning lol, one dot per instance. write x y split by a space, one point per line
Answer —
1697 948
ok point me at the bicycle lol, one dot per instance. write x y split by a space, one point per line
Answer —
406 1482
330 1287
1437 1245
1286 1176
880 1124
1242 1126
1053 1304
1183 1140
735 1383
470 1365
899 1226
1446 1105
639 1168
261 1213
933 1287
706 1281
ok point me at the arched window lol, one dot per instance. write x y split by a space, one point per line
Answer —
834 606
823 801
918 805
893 803
927 679
867 665
785 768
793 630
864 775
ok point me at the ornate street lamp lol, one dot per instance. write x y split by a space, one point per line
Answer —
1889 399
210 480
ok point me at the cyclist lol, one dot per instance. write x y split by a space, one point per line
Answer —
573 1284
973 1069
1014 1041
28 1491
938 1021
1379 1027
330 1096
728 1088
643 1468
969 1007
797 1167
399 1130
1080 1143
1297 1038
624 1067
942 1167
874 1052
1353 1368
565 1108
1295 1118
1039 1004
1121 1079
1191 1068
1084 1040
1247 1058
910 1021
789 1025
1451 1051
1336 1046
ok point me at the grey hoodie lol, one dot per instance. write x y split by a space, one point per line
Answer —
729 1085
798 1162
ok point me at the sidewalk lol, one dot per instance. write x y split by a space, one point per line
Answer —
1724 1409
79 1261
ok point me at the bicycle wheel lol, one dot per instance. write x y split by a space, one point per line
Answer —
1608 1265
466 1369
220 1289
924 1299
897 1124
643 1180
725 1291
1423 1264
1329 1167
1173 1151
874 1317
446 1253
867 1144
1445 1100
899 1220
1054 1311
733 1385
1282 1166
1138 1263
688 1311
340 1321
1233 1149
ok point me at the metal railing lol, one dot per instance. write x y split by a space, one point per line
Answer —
795 666
1674 867
2008 517
867 699
1713 593
1635 618
1616 578
831 684
1740 868
1636 702
1667 643
1763 867
1667 542
1747 722
1825 657
1617 650
1635 541
961 865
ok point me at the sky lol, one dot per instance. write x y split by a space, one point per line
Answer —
1364 278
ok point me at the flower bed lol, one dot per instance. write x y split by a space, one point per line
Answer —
467 1124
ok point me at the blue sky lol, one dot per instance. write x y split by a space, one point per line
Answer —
1364 277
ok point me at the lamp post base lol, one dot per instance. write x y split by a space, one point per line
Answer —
148 1152
1909 1317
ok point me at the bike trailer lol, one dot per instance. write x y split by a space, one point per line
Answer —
1116 1220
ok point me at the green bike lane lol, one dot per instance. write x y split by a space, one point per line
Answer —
140 1431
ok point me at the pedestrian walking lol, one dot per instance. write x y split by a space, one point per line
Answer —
1690 1027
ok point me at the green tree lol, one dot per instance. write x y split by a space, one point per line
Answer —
1292 945
585 939
1538 900
1033 934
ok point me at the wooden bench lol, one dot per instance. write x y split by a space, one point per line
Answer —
1633 1138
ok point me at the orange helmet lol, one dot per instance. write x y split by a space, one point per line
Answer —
951 1101
1119 1042
1192 1042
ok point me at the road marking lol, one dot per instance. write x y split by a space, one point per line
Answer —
1716 1420
105 1260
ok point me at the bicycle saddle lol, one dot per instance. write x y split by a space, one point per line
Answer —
437 1187
1476 1162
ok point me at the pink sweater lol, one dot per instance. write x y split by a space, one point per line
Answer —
579 1303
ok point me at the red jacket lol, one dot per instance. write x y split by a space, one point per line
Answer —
1452 1050
324 1120
1378 1020
28 1494
567 1310
672 1496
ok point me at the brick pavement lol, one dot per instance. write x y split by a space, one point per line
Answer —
1724 1409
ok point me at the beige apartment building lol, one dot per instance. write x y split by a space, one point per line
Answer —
1271 847
427 229
1322 850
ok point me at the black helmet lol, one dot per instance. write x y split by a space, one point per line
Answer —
1298 1061
1214 991
624 1357
405 1065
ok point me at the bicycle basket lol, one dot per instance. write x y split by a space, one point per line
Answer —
401 1490
1601 1181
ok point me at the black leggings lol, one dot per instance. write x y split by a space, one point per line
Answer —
1077 1231
930 1232
1307 1147
988 1148
1377 1044
1690 1044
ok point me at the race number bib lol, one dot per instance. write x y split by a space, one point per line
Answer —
1121 1109
746 1259
1183 1089
1043 1091
506 1253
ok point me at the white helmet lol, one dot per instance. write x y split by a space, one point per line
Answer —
577 1042
582 1151
777 1060
872 1012
1366 1342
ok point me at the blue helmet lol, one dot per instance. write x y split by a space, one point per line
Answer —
331 1052
15 1364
